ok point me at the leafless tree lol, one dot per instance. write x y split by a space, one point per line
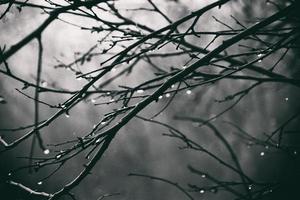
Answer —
239 57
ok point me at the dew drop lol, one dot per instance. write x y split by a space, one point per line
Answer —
140 91
188 92
259 55
203 176
295 152
250 187
202 191
9 174
67 115
168 95
160 97
46 151
58 156
259 60
93 100
172 86
40 183
262 153
103 123
286 98
183 67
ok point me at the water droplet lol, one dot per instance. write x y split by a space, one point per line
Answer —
9 174
107 93
168 95
295 152
262 153
266 147
172 86
103 123
2 100
250 187
202 191
58 156
98 140
286 98
44 83
46 151
93 100
67 115
188 92
203 175
183 67
160 97
259 60
40 183
140 91
259 55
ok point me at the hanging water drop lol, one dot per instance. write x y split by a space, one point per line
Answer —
259 60
67 115
188 92
172 86
262 153
160 97
58 156
286 98
44 83
40 183
168 95
9 174
250 187
203 175
140 91
46 151
103 123
202 191
259 55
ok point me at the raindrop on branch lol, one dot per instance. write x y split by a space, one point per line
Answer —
286 98
259 55
250 187
168 95
188 92
67 115
44 83
202 191
160 97
46 151
140 91
2 100
40 183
